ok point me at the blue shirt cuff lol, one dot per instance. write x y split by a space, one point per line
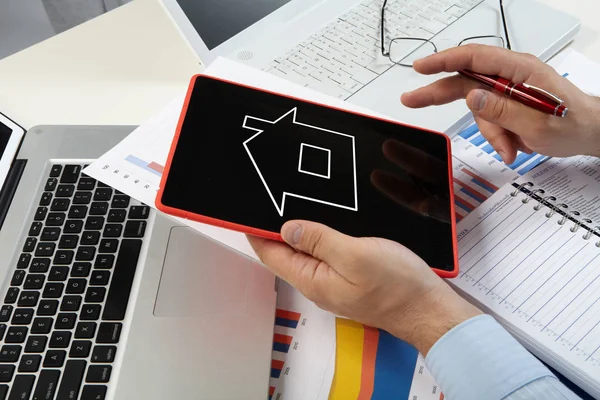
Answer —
479 359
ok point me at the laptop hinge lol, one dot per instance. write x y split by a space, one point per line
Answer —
10 187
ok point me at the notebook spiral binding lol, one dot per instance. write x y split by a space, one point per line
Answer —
559 208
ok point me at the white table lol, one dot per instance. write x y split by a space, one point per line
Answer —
122 67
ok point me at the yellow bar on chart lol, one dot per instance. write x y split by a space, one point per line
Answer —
348 360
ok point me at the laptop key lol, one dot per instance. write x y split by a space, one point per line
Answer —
56 219
85 330
104 354
5 312
112 230
53 290
99 208
120 287
45 249
51 184
64 257
109 332
134 229
40 214
4 392
47 307
85 253
117 215
40 265
10 353
41 325
58 274
22 316
70 174
6 372
86 183
94 223
2 331
46 384
68 242
36 344
104 261
18 278
108 246
30 363
46 199
95 294
71 380
102 194
29 245
81 269
11 295
80 349
82 198
24 260
65 321
16 334
29 298
55 170
54 359
73 226
70 303
60 340
76 286
65 190
93 392
50 234
98 374
34 281
21 387
139 212
60 205
90 312
99 278
120 201
78 212
35 229
90 238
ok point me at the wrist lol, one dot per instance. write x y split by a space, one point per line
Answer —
436 315
592 141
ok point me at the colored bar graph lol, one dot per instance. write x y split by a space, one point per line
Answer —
152 167
463 204
521 159
470 131
540 160
469 191
271 391
488 148
394 368
287 318
484 183
276 368
478 140
281 342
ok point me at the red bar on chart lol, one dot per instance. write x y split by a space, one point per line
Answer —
156 167
282 342
286 318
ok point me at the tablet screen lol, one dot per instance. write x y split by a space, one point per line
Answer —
259 159
10 139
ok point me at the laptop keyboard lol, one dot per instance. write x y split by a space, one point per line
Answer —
345 55
62 316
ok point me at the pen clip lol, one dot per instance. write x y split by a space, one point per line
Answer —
545 93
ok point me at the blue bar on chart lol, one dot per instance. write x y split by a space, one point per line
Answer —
522 164
152 167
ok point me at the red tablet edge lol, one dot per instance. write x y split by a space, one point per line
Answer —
276 235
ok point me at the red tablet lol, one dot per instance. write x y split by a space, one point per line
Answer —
249 160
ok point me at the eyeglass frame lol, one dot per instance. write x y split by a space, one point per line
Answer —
387 54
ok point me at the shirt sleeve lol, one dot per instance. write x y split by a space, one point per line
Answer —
479 359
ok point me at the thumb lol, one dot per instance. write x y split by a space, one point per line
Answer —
319 241
503 111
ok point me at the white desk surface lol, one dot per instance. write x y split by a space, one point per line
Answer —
122 67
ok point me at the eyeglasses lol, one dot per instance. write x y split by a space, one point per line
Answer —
404 51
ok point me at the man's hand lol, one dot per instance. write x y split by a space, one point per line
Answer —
373 281
508 125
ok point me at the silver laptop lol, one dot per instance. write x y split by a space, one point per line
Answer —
102 298
333 46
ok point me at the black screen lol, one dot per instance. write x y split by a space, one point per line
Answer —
216 21
258 159
5 133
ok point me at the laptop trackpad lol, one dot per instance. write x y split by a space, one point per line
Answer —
200 277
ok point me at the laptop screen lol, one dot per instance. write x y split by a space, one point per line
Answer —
216 21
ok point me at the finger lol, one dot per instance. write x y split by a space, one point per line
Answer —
302 271
499 138
505 112
443 91
320 241
493 60
415 161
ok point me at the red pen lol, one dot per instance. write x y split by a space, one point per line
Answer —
528 95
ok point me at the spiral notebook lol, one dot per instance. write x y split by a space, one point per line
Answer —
530 256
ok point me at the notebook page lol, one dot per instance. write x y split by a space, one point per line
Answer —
537 276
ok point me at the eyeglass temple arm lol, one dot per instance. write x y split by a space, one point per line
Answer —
383 27
503 24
